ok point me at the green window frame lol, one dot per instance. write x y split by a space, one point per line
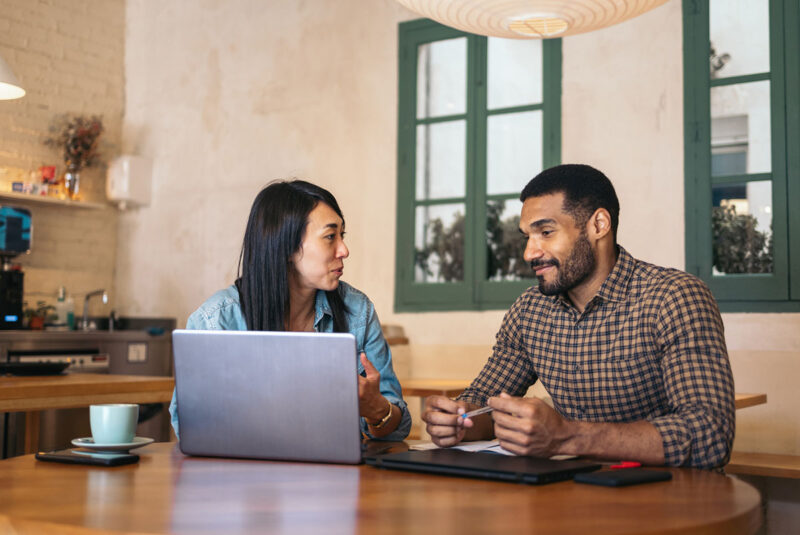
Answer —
474 292
778 291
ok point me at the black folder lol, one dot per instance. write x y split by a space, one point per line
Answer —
452 462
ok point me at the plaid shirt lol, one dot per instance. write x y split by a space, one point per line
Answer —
649 346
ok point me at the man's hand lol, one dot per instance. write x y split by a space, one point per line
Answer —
443 420
371 404
527 426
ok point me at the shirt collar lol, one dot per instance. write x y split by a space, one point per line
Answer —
321 307
615 287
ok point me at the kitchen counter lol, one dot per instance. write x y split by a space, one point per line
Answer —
130 350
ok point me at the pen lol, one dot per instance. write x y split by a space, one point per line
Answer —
476 412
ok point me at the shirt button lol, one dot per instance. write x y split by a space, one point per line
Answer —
577 367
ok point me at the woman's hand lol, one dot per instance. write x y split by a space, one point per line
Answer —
371 404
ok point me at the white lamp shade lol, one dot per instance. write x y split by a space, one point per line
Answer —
9 85
530 19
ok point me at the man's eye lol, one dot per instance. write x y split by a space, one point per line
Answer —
546 233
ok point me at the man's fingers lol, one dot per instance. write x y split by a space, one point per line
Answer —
435 417
445 435
522 407
443 404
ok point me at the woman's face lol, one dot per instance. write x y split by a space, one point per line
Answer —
319 263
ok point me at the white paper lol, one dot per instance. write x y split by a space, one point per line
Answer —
488 446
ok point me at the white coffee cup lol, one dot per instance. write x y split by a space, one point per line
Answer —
113 423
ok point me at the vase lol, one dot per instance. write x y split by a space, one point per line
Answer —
72 179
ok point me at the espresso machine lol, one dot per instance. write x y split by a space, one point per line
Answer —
16 230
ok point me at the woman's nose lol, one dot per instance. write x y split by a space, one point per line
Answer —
343 251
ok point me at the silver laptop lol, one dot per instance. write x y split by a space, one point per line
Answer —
268 395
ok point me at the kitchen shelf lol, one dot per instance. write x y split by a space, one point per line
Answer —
39 199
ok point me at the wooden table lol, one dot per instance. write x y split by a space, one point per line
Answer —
453 387
36 393
169 493
750 400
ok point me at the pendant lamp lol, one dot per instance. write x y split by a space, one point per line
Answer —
9 85
530 19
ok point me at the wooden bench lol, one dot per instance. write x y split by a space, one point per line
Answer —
764 464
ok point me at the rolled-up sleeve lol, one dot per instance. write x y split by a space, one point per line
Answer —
699 427
508 369
377 350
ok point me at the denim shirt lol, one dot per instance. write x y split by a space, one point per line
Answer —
223 312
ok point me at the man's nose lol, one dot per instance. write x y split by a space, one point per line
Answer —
532 250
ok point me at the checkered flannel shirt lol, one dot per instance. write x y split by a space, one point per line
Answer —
649 346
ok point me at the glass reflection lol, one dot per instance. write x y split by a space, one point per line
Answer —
442 78
439 243
515 72
739 32
741 140
504 244
441 160
741 219
513 151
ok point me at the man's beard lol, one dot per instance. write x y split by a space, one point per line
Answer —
577 267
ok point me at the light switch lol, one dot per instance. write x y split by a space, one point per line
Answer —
137 352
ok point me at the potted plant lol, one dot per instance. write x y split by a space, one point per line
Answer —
35 318
77 136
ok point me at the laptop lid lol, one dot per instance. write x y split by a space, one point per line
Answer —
482 465
268 395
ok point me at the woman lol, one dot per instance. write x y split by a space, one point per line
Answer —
290 268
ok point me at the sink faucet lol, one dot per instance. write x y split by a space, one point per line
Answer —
84 326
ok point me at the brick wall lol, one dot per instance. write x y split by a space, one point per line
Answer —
69 57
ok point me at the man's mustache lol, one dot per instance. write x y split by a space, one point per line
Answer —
542 263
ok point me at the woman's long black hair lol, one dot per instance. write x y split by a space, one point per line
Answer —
275 231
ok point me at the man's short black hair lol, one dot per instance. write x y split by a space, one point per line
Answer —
585 190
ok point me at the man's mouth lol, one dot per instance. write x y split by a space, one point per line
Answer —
540 268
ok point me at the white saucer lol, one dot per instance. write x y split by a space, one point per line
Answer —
88 443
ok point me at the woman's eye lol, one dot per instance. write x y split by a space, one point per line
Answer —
330 237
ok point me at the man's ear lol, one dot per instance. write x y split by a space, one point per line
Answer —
599 224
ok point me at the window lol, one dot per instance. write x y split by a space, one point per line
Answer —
478 118
742 150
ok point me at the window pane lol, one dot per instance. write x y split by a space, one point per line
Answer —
439 243
442 78
504 243
515 72
740 124
513 151
742 228
441 160
739 31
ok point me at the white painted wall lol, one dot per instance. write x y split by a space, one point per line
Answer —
227 95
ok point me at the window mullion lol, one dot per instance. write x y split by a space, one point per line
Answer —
476 151
791 18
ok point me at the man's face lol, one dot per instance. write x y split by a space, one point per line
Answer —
558 251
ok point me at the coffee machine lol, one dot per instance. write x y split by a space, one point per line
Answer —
16 230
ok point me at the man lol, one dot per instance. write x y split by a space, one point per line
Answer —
632 354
